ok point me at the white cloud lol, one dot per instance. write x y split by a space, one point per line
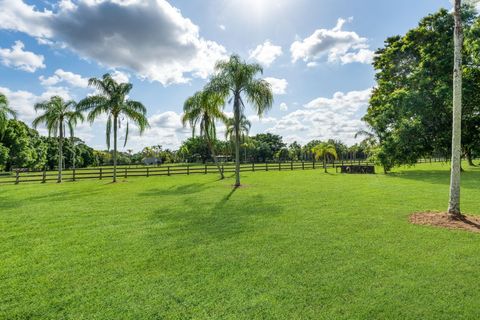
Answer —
120 77
18 58
266 53
23 101
61 76
279 86
152 38
222 27
337 117
283 106
166 129
338 45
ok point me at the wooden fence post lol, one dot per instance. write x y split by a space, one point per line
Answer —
303 165
168 171
148 172
205 168
44 176
266 166
291 165
101 173
253 166
73 174
188 169
17 177
125 173
313 163
279 166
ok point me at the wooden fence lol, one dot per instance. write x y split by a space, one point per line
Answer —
19 176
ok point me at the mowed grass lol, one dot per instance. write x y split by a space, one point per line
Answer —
289 245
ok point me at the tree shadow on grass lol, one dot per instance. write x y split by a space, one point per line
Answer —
175 190
204 222
470 178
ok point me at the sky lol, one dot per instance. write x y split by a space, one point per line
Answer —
316 54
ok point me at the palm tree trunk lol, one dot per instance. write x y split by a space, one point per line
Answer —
74 154
214 156
236 110
60 152
325 162
115 149
454 203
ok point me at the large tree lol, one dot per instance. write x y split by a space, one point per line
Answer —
410 112
203 109
57 116
112 101
237 81
5 112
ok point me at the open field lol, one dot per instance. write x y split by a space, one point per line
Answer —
289 245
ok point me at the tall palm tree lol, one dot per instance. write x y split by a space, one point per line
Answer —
454 202
236 79
112 101
203 109
322 150
58 114
5 111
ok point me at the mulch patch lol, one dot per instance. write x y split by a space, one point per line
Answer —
443 220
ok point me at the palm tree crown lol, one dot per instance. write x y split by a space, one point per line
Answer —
112 101
5 111
57 116
323 150
236 80
203 109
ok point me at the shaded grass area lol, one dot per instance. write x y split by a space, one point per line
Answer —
299 244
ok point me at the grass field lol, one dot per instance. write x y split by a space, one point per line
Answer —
289 245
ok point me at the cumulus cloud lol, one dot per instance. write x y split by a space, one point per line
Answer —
279 86
165 129
150 37
18 58
23 101
120 77
323 118
62 76
283 106
336 44
266 53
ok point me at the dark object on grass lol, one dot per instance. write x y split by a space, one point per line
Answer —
364 169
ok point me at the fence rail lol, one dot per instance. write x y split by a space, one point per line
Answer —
18 176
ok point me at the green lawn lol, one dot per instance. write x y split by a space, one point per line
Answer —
290 245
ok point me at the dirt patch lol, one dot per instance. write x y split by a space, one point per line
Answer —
443 220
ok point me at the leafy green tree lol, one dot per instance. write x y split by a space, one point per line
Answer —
3 156
5 111
295 151
203 109
113 102
58 114
322 150
26 149
237 80
410 109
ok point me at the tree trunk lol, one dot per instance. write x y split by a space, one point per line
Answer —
468 154
325 162
454 203
214 156
60 152
236 111
115 149
74 154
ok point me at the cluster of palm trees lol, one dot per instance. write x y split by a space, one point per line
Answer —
111 100
234 82
5 112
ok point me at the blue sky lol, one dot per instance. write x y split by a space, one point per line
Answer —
315 53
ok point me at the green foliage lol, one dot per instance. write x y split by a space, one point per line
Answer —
5 112
410 109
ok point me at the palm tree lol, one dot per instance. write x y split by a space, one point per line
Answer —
57 115
203 109
113 102
236 79
5 111
454 202
323 150
245 126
